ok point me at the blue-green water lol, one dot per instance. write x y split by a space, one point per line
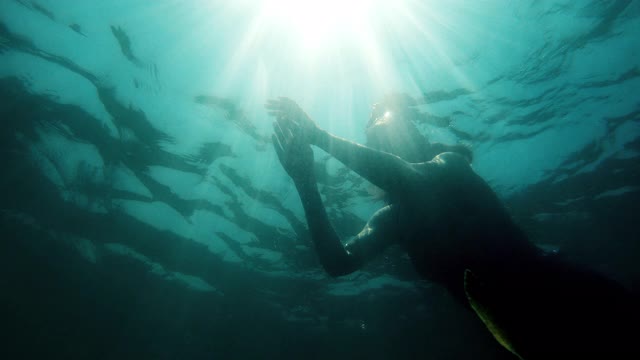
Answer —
144 213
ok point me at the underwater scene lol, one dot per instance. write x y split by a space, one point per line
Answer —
183 180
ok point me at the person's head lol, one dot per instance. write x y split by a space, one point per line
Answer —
391 130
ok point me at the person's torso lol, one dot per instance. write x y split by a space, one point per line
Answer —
453 221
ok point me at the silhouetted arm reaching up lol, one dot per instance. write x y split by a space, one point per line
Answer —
387 171
296 157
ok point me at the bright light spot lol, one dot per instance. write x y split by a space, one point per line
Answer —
316 22
337 56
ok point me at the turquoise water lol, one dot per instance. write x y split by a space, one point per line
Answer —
144 212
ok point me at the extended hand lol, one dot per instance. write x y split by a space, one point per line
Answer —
291 117
294 152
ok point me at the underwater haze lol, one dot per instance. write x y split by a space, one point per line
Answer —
144 213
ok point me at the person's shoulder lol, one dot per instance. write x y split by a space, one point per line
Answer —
451 159
446 162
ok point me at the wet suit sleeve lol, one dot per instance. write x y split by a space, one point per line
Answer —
385 170
381 231
336 258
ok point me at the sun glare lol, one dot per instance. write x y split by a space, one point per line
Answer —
337 48
317 22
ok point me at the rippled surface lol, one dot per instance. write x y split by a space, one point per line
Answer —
144 213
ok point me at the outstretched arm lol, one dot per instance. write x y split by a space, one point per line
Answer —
387 171
332 254
297 159
338 259
384 170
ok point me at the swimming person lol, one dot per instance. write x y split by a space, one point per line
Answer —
458 234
